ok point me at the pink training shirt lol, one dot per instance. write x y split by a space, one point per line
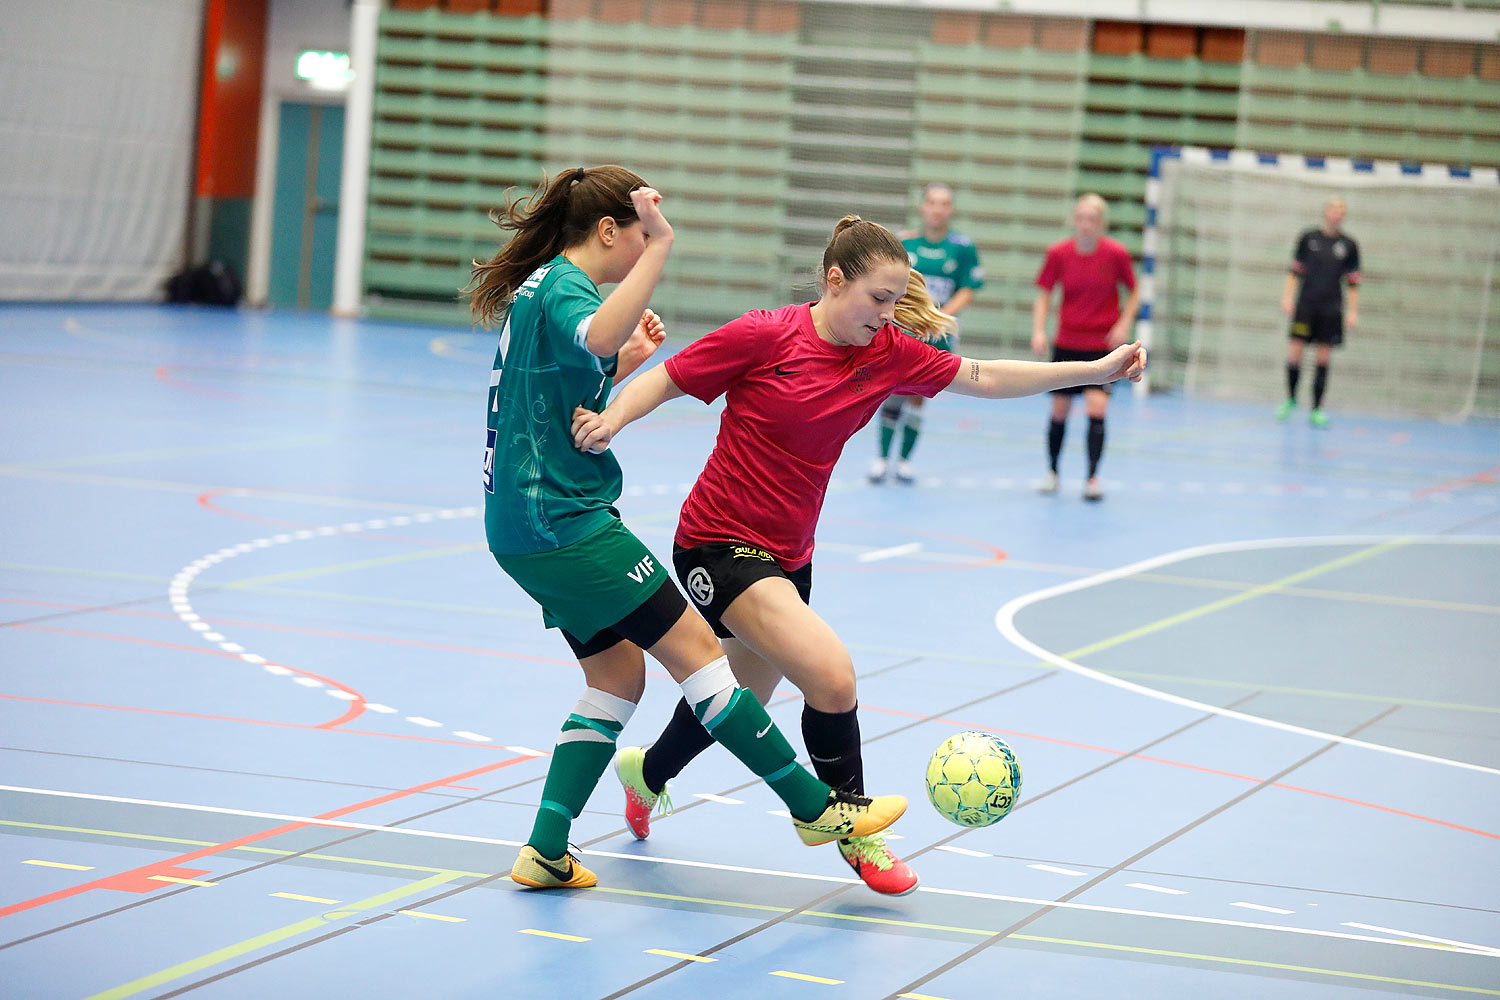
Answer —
1091 293
792 401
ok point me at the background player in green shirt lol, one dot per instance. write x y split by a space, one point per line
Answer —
949 263
551 521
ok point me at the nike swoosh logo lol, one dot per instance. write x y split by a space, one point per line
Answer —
787 371
765 730
562 875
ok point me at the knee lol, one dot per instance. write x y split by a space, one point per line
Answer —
834 691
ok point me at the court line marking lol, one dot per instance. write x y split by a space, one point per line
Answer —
1484 950
1414 934
1057 871
1375 545
551 934
835 916
306 899
876 555
259 941
1170 892
60 864
433 916
806 978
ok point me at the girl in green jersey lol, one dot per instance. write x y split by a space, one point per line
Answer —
550 517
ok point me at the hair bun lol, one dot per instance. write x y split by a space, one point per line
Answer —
845 223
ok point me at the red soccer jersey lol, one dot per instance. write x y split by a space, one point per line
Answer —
1091 295
791 402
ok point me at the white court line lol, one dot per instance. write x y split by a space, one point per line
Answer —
723 800
1058 871
1264 909
964 851
1170 892
890 553
1005 622
1424 937
1481 950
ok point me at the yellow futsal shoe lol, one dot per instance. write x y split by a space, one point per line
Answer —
536 872
849 815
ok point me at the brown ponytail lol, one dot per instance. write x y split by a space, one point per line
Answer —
918 315
858 245
561 213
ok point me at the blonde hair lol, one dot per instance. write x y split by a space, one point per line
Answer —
918 315
1098 203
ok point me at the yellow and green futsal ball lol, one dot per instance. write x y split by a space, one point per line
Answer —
974 779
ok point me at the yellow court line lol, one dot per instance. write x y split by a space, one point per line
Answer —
446 875
1240 598
178 881
808 979
1306 692
678 954
225 954
1352 596
59 864
432 916
1262 965
306 899
550 934
302 574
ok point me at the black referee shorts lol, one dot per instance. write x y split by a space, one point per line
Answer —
1318 328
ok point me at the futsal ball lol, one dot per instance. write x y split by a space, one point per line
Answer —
974 779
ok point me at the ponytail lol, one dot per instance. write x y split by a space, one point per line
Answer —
918 315
561 213
858 245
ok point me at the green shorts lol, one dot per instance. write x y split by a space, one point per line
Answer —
591 584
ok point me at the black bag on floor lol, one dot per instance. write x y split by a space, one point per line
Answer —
214 283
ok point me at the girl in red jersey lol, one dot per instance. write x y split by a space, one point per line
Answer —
1090 324
798 382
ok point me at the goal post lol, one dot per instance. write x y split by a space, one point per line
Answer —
1220 229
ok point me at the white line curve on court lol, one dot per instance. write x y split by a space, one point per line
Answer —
1483 951
1005 622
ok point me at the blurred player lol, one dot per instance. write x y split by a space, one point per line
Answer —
798 382
949 263
550 517
1324 259
1090 323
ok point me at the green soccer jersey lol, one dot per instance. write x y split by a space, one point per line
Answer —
946 266
541 492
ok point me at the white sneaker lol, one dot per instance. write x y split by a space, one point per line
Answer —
877 470
1092 492
1049 483
903 471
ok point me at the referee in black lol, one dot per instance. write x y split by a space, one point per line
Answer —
1325 258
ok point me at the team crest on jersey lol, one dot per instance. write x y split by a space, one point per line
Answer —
1340 250
861 379
700 586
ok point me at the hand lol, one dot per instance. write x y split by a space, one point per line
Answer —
1353 319
647 202
591 432
1039 343
1126 361
643 342
1286 305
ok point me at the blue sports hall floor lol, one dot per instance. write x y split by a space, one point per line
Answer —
272 723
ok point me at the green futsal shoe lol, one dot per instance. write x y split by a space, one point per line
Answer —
1317 419
1285 409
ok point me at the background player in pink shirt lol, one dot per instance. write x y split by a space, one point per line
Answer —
798 382
1091 267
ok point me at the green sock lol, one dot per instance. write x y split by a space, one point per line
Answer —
909 433
887 432
740 724
583 751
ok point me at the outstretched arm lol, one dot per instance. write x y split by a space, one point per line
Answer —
1002 379
594 431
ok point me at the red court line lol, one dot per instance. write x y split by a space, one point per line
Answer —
1487 476
155 867
1187 766
232 718
307 630
355 710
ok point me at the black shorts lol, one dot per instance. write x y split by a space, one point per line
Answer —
717 573
1318 328
644 626
1069 354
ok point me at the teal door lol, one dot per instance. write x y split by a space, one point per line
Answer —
304 226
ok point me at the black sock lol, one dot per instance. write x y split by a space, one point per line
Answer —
682 740
832 740
1320 382
1055 432
1293 376
1096 444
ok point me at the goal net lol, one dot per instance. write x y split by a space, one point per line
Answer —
1225 225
